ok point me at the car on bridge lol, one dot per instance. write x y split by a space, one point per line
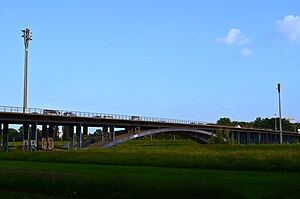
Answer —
135 117
69 114
51 112
107 117
34 113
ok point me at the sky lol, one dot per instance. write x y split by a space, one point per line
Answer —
194 60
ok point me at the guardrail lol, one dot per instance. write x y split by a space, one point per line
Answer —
11 109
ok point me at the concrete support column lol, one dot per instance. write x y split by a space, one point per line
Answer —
34 137
259 138
44 137
85 132
25 144
105 133
248 138
71 137
130 130
112 133
5 137
78 137
239 137
50 137
267 138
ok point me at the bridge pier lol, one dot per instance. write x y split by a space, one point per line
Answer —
44 136
50 137
71 137
112 133
84 135
267 138
25 144
34 137
238 137
248 138
5 137
78 137
104 133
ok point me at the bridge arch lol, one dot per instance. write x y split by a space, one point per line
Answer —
199 136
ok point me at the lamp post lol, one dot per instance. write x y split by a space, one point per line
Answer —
280 123
27 37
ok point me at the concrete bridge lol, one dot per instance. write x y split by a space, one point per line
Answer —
77 123
199 136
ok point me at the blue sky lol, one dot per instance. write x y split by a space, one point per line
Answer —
197 60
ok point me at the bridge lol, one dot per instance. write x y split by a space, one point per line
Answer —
76 126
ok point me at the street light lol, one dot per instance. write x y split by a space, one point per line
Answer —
280 124
27 37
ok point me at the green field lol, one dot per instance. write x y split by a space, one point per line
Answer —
154 169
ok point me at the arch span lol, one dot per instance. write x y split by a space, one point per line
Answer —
199 136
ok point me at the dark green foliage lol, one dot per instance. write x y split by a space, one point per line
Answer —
261 123
14 135
225 121
221 137
98 132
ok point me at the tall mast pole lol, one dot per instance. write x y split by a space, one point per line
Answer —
280 123
27 37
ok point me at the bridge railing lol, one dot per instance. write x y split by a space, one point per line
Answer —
11 109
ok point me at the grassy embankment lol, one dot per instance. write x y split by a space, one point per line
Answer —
173 169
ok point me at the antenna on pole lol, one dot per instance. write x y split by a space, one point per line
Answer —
27 35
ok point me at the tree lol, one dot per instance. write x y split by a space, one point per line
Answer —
98 132
225 121
227 137
13 134
260 123
221 138
218 138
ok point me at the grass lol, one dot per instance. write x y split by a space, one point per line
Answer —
178 154
154 169
90 181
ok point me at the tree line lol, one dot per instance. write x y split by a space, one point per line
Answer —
261 123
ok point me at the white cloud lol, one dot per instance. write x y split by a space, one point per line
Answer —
245 52
234 37
289 26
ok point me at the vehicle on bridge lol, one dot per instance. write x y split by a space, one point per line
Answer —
135 117
51 112
107 117
69 114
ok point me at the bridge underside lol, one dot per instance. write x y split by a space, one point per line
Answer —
199 136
